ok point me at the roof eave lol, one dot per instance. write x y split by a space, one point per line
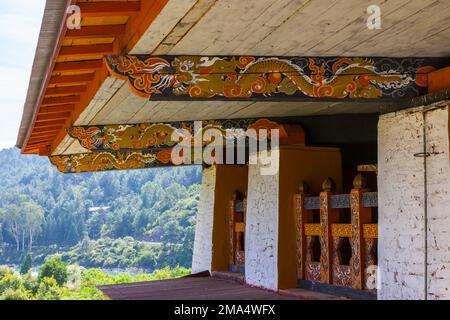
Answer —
49 34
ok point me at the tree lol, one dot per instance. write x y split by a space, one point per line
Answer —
13 221
26 264
34 219
54 268
23 222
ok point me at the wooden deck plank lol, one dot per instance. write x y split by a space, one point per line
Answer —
206 288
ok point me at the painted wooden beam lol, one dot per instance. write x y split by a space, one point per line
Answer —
38 144
47 129
56 109
439 80
109 8
90 49
273 78
72 79
53 116
109 160
66 90
96 31
43 137
49 134
159 135
78 65
49 124
60 100
40 141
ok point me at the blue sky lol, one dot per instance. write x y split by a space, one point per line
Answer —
20 22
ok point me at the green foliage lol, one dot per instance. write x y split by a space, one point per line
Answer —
150 206
11 294
53 268
81 285
27 264
30 283
10 281
48 289
4 271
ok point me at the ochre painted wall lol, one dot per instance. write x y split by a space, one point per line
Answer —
228 179
312 165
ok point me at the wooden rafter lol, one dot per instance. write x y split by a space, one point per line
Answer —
96 31
78 66
73 55
44 134
60 100
56 109
42 138
48 129
49 124
82 50
72 79
109 8
53 116
67 90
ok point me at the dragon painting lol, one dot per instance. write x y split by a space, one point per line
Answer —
251 77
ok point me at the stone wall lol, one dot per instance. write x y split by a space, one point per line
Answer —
202 256
401 246
261 247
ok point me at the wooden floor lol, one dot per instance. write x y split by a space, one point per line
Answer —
200 288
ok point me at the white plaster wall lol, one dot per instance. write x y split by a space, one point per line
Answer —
202 253
438 171
261 246
401 246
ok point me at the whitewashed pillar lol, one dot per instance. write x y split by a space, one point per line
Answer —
261 246
401 246
202 255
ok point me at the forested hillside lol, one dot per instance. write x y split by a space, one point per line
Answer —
143 218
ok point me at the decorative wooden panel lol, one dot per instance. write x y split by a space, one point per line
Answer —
370 231
158 135
341 230
262 78
313 229
334 267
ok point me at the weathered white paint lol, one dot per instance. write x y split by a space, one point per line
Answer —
401 246
261 239
202 256
438 171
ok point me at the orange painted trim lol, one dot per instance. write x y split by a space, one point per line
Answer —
53 116
62 32
96 31
60 100
43 135
74 79
82 50
65 90
439 80
48 129
135 28
78 65
127 79
56 109
109 8
50 124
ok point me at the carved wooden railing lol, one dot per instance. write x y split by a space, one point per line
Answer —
237 209
327 232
